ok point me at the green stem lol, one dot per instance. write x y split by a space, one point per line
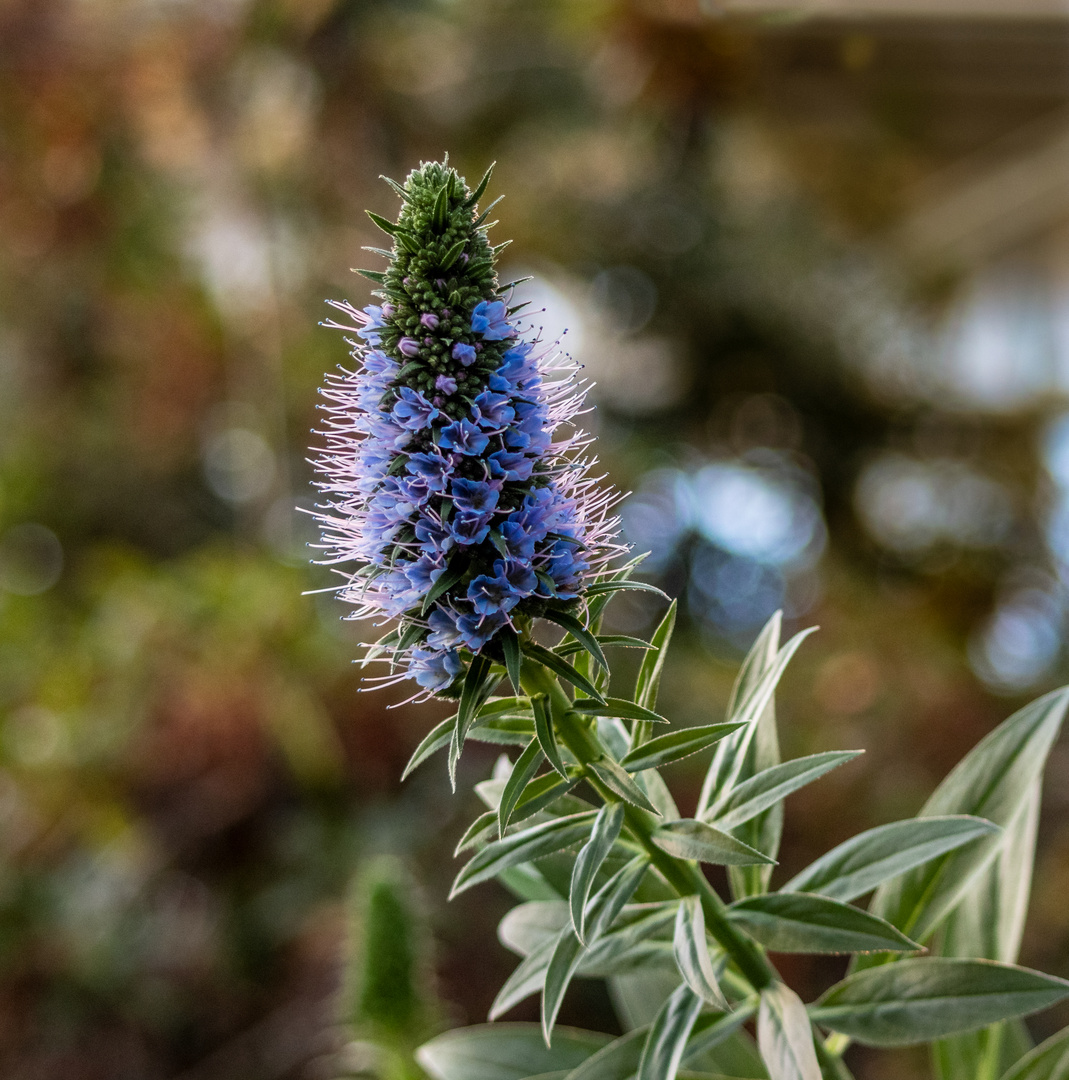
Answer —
683 875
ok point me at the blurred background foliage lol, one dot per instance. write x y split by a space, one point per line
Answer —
819 270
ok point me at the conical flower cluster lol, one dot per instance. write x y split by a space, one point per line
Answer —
458 497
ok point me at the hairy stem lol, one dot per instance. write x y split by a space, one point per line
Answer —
685 876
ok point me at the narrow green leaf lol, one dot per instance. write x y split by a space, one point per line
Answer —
771 785
434 740
376 276
674 746
480 829
532 843
865 861
620 784
599 587
691 839
377 251
602 837
456 569
486 213
526 765
617 1061
639 936
579 632
915 1001
648 681
668 1036
567 953
618 707
547 738
397 187
505 1052
510 647
453 254
476 195
527 978
784 1036
440 212
604 909
387 227
561 667
803 923
710 1031
470 695
691 949
543 791
1048 1061
493 728
992 781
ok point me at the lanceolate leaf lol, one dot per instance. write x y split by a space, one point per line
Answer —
674 746
470 699
479 830
668 1036
691 949
691 839
567 953
617 1061
526 765
992 781
915 1001
649 674
547 738
543 791
602 837
769 786
528 978
579 632
1048 1061
502 730
505 1052
523 846
606 906
619 783
620 707
864 861
600 587
785 1037
559 666
510 648
802 923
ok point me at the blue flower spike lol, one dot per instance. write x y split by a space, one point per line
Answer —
456 494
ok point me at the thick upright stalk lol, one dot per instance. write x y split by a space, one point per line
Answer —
683 875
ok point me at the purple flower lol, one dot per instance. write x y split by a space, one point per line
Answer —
446 383
443 625
435 670
477 630
412 410
463 437
369 331
475 496
468 529
488 319
429 320
425 571
433 468
464 353
408 346
510 465
433 534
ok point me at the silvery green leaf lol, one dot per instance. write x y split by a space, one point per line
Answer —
804 923
522 847
567 952
472 693
1048 1061
528 978
865 861
549 790
602 837
988 922
617 1061
691 839
649 674
559 666
618 707
619 783
479 830
604 909
992 781
527 927
784 1035
492 728
675 746
581 633
768 787
505 1052
915 1001
691 949
510 648
710 1031
634 941
528 883
667 1038
547 738
526 765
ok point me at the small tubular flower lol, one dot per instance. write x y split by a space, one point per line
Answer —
455 492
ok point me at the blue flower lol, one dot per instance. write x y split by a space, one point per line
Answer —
495 412
475 496
435 670
468 529
446 383
464 437
510 465
488 319
412 410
